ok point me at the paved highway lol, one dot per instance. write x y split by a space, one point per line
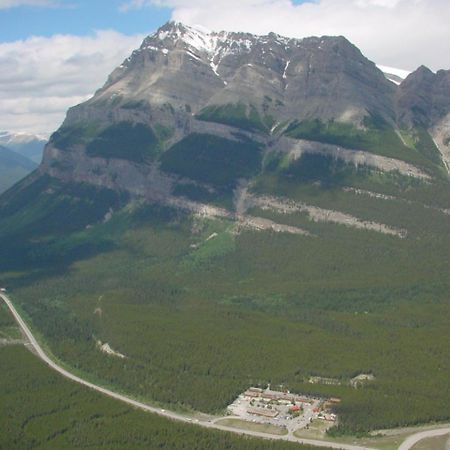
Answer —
181 418
415 438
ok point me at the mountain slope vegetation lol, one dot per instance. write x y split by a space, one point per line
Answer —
216 218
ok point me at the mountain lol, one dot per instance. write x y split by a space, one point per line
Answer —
185 82
231 68
232 210
392 74
424 102
28 145
13 167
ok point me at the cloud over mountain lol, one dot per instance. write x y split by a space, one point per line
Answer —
41 77
398 33
5 4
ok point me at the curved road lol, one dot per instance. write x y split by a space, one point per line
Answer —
181 418
415 438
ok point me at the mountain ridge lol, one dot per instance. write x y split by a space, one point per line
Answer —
27 144
186 86
143 134
268 224
267 80
230 64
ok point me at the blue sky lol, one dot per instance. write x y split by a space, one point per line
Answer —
79 17
53 57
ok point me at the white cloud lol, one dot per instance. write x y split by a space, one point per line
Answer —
6 4
380 3
134 4
398 33
40 78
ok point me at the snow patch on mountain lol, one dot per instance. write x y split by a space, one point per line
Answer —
393 74
7 137
28 145
285 69
200 39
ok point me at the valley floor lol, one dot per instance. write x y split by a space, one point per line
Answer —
113 290
386 440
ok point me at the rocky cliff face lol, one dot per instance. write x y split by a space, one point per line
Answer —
424 97
424 100
185 86
326 78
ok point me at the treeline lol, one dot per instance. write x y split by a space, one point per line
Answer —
203 357
202 319
5 316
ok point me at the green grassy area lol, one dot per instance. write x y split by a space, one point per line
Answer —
39 410
381 441
237 115
317 429
211 159
386 439
241 309
437 443
260 427
377 137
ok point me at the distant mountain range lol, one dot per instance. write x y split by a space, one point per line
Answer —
26 144
13 167
20 153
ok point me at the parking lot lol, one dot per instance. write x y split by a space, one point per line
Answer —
282 409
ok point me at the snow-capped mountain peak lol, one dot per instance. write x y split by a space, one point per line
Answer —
27 144
199 39
20 137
